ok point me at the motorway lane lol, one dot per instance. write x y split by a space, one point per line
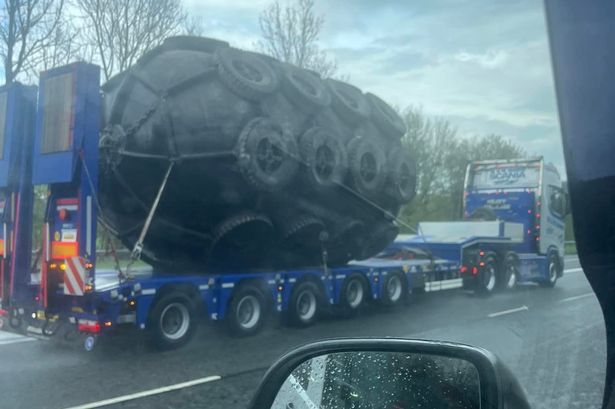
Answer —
553 340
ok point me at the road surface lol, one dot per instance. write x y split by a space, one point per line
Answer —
552 339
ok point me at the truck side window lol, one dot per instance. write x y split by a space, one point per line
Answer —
557 201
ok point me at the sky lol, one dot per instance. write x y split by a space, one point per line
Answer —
483 65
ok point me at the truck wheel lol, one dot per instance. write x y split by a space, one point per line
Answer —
487 278
353 293
385 117
552 278
304 305
305 89
394 289
366 161
324 158
266 154
347 101
401 176
510 272
247 75
172 321
247 311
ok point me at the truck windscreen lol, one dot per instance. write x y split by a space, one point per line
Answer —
520 175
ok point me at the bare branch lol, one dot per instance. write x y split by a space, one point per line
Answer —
290 33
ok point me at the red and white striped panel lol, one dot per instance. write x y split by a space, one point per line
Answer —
74 276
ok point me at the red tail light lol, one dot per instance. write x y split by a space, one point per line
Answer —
89 326
474 271
463 269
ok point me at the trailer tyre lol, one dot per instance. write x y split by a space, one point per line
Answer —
172 321
247 311
353 294
304 305
487 278
552 272
394 289
510 272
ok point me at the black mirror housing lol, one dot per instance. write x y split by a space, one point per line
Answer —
498 386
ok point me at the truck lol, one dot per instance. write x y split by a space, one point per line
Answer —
67 293
512 232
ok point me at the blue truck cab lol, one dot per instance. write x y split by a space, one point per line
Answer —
512 232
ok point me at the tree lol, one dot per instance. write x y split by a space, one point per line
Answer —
290 33
120 31
442 158
27 29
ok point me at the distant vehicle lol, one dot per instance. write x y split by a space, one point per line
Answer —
513 232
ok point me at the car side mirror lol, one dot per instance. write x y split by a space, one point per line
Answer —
388 373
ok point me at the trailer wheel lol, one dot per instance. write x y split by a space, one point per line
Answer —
394 289
304 306
510 272
172 321
247 310
552 278
353 293
487 278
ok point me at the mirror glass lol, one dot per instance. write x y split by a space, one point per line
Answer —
374 380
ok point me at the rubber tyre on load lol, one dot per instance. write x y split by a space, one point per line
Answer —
366 162
385 117
324 158
172 321
353 294
509 271
380 236
347 101
304 305
394 289
266 154
247 311
245 74
552 272
487 278
401 176
304 89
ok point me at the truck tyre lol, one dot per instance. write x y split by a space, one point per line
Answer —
510 272
353 294
172 320
385 117
487 278
401 176
552 272
266 154
366 161
304 304
324 158
247 311
347 101
305 89
247 75
394 289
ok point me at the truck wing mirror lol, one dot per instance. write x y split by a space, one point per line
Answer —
373 373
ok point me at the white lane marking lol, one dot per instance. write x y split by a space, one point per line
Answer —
573 270
144 394
511 311
7 338
576 297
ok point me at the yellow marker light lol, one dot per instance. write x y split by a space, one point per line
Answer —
63 267
89 266
280 288
108 323
89 288
132 303
53 265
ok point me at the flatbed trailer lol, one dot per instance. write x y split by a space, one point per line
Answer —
69 290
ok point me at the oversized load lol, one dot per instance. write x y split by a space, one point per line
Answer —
271 163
